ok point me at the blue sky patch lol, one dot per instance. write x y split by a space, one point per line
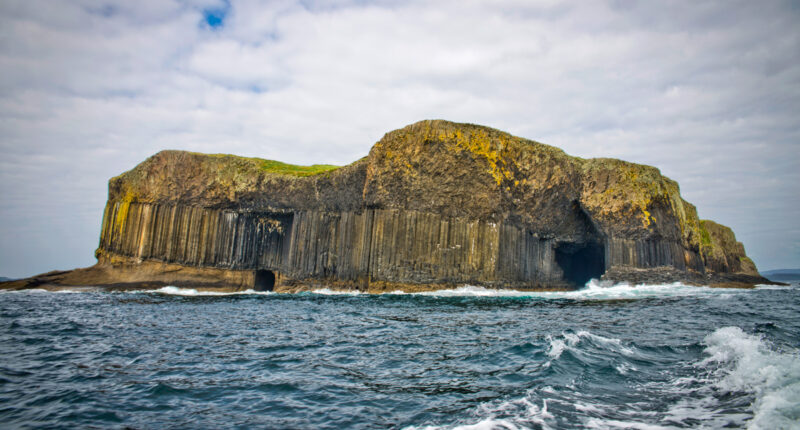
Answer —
215 18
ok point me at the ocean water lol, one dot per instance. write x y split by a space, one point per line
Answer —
607 356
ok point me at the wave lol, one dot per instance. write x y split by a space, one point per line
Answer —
775 287
737 369
190 292
594 290
532 410
329 292
740 362
572 341
741 380
168 290
59 290
512 409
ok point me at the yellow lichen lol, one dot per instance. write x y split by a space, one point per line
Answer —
631 191
479 143
124 208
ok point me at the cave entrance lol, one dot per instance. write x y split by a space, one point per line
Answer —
264 280
581 262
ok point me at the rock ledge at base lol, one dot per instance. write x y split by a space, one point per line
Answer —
434 205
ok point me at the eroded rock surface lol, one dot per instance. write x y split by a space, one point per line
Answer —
433 205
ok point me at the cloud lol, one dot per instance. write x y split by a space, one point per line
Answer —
706 92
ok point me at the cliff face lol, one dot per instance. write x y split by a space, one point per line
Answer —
435 204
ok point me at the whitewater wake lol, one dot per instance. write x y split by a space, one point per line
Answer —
740 381
743 363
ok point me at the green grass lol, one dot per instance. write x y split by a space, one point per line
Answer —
278 167
705 237
291 169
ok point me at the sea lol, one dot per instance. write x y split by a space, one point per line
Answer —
608 356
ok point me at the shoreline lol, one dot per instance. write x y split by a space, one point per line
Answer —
120 273
31 283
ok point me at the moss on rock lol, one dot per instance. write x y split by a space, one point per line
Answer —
721 252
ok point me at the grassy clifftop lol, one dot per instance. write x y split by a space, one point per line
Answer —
272 166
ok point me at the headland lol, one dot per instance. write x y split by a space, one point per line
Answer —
434 205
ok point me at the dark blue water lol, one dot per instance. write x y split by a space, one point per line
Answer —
620 357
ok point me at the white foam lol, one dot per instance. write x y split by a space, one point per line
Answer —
521 409
58 291
470 291
739 363
514 414
485 424
571 341
613 343
557 347
594 290
746 363
624 368
190 292
735 363
329 292
596 423
774 287
603 290
489 424
584 407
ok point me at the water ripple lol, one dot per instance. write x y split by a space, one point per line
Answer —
469 358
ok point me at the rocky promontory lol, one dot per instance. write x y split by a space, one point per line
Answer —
434 205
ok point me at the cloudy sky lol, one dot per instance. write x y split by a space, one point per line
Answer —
709 92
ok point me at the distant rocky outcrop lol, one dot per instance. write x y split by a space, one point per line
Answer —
434 205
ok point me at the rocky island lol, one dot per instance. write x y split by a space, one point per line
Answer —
434 205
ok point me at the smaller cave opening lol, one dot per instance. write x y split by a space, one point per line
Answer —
581 262
264 280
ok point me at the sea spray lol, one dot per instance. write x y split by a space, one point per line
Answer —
745 363
593 290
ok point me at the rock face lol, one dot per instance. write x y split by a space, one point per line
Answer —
433 205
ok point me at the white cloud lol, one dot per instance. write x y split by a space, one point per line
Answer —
706 92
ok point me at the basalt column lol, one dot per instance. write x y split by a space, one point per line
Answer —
196 236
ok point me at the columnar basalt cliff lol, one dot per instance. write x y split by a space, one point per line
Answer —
434 205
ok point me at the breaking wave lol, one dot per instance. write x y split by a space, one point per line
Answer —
329 292
573 341
191 292
740 381
743 363
594 290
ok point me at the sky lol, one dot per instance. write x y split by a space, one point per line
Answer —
708 92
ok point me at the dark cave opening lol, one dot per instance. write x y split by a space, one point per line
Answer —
581 262
264 280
